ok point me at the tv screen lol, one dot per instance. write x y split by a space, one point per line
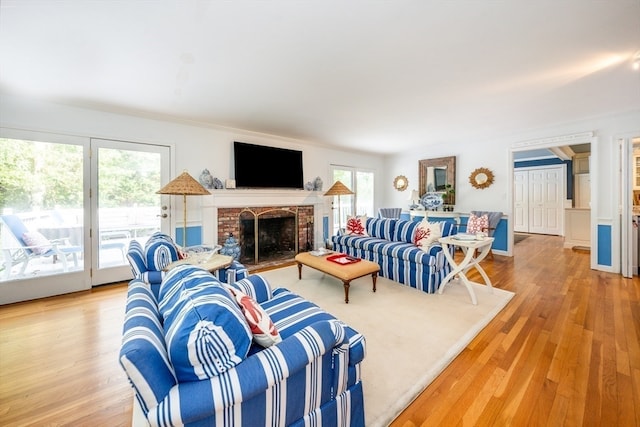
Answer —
259 166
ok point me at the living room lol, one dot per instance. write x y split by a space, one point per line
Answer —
589 97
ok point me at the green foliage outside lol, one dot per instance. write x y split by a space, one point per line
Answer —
45 176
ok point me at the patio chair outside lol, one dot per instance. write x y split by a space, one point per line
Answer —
32 245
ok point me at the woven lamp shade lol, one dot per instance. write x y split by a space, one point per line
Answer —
184 185
338 189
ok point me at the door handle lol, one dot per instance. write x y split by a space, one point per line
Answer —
164 215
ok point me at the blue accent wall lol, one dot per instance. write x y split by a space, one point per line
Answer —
501 241
325 228
194 236
548 162
500 234
604 245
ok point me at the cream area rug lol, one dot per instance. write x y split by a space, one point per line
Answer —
411 335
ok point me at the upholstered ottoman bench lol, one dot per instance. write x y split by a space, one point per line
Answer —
344 272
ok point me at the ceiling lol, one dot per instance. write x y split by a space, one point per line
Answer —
382 76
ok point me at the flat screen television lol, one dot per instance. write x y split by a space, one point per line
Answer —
260 166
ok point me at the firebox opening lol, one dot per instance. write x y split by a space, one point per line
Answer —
277 236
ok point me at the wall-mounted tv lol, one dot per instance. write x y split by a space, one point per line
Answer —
260 166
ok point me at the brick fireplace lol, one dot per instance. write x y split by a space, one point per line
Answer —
268 234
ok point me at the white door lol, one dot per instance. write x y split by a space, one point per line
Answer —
521 201
544 201
582 194
124 179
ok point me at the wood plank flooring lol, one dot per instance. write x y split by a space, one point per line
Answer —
565 351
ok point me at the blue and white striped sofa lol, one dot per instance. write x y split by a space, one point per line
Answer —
390 244
310 378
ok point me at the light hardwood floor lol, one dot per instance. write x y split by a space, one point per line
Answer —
565 351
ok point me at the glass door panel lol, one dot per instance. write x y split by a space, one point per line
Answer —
127 176
42 222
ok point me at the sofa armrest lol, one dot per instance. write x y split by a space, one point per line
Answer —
434 249
197 400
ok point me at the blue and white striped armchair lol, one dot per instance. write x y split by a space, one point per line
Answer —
148 262
311 377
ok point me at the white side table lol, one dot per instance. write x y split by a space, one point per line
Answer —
469 248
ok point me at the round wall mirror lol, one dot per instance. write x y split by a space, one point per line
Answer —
400 183
481 178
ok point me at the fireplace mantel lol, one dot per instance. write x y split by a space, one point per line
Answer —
258 198
243 198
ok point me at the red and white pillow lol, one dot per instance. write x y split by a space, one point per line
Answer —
357 225
478 224
426 234
262 327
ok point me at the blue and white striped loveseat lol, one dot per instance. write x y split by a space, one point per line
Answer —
311 377
390 244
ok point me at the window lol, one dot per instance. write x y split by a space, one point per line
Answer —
361 182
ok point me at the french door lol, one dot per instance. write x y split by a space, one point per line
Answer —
124 205
69 206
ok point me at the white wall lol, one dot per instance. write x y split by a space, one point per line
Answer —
197 146
494 153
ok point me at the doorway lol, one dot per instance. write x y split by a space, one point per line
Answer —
67 216
581 149
629 158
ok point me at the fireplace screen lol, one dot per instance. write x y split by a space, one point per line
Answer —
268 236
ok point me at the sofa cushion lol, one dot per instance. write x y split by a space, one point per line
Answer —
291 313
404 231
263 330
382 228
400 250
356 225
426 234
256 286
205 332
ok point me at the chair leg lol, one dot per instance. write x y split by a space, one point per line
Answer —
24 267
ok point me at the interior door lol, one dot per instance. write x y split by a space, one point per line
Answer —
521 201
124 179
539 200
546 194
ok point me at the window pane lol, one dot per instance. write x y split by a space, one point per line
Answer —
41 202
128 205
364 194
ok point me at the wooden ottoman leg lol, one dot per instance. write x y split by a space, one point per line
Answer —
374 276
299 271
346 291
